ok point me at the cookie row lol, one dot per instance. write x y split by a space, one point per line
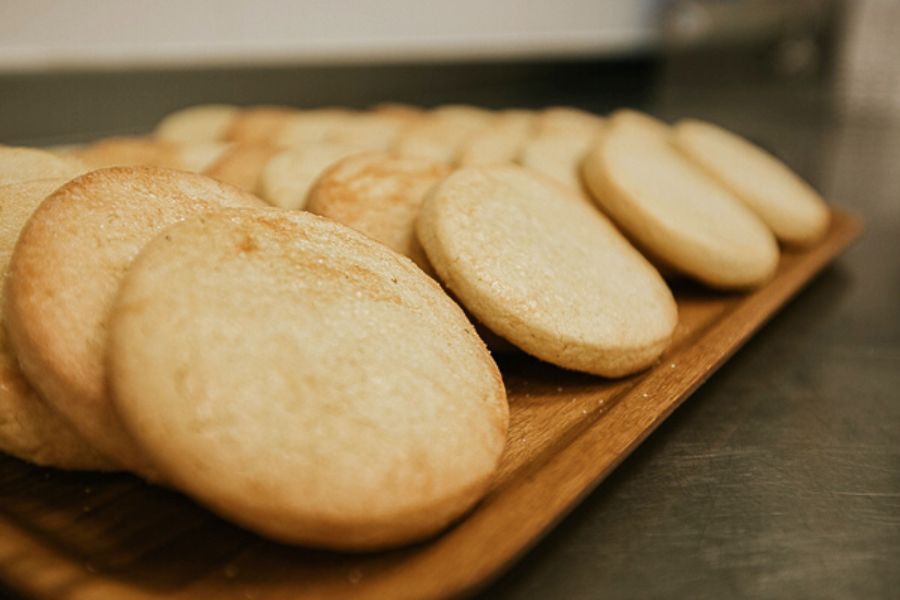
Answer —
241 323
278 153
553 141
286 371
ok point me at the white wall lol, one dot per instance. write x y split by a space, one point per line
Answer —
37 34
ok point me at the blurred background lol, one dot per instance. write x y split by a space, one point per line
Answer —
89 67
816 82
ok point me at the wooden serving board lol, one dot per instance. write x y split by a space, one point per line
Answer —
94 536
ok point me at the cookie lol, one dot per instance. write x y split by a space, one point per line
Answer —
791 208
197 157
127 152
566 119
374 131
29 430
286 179
669 206
379 195
259 124
19 164
65 271
305 128
499 142
559 140
201 123
134 151
441 133
350 406
640 123
242 165
545 271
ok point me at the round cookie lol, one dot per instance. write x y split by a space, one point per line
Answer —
441 133
379 195
286 179
24 164
373 131
201 123
305 128
130 152
791 208
65 271
566 119
669 206
28 428
350 406
640 123
546 271
127 152
560 139
197 157
242 165
499 142
259 124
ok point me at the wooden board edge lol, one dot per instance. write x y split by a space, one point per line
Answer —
509 534
752 314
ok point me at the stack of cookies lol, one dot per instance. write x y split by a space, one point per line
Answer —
319 375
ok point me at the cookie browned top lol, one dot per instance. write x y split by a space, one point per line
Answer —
304 380
379 194
66 269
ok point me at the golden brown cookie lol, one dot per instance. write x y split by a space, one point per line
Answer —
441 133
306 128
200 123
379 194
545 271
286 179
678 213
558 143
28 428
640 123
499 142
305 381
65 271
259 124
135 151
19 164
242 165
791 208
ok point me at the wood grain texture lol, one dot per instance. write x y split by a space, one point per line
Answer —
93 536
